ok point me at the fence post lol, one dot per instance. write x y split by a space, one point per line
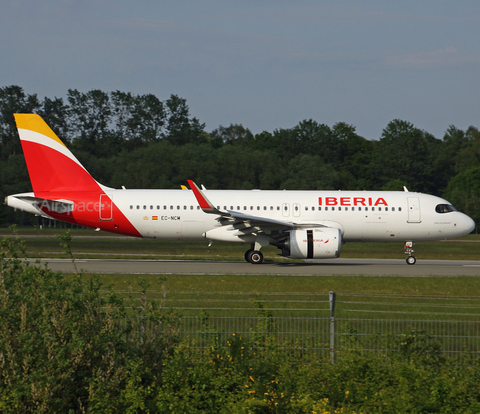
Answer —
332 326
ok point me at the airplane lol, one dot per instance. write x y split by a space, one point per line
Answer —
302 224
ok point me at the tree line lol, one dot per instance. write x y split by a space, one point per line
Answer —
140 141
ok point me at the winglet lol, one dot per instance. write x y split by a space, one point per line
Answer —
204 203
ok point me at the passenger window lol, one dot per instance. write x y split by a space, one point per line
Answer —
171 207
184 207
191 207
399 208
393 208
131 207
138 207
319 208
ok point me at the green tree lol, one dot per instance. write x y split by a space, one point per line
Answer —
310 172
147 120
13 100
463 191
122 106
234 134
180 128
90 117
404 153
469 155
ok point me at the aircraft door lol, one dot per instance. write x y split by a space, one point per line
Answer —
285 209
414 210
106 206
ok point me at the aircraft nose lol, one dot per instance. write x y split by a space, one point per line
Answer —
467 224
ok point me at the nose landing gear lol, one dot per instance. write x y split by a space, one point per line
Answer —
411 260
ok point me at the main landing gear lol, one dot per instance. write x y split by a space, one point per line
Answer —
411 260
254 256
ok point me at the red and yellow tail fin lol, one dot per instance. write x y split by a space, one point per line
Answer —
51 165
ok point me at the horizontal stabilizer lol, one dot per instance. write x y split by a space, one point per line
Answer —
28 202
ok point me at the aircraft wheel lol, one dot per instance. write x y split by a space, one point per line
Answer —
411 260
255 257
247 254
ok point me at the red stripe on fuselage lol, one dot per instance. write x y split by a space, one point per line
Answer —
86 212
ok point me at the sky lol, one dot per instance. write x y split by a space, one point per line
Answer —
263 64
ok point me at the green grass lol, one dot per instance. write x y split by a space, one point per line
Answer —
440 298
359 297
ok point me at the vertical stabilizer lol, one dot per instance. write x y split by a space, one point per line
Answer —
51 165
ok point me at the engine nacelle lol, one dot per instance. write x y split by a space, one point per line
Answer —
315 243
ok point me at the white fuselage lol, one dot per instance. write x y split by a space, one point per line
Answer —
360 215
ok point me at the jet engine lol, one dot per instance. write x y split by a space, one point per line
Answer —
315 243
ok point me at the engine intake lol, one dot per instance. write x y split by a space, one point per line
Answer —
315 243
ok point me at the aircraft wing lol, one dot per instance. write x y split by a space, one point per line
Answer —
239 220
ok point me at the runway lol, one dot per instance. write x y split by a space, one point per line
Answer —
337 267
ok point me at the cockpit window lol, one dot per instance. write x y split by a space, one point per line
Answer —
445 208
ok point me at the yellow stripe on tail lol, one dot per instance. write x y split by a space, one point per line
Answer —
35 123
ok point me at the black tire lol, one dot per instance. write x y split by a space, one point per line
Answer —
247 255
411 260
255 257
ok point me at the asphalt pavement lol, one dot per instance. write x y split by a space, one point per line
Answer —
334 267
